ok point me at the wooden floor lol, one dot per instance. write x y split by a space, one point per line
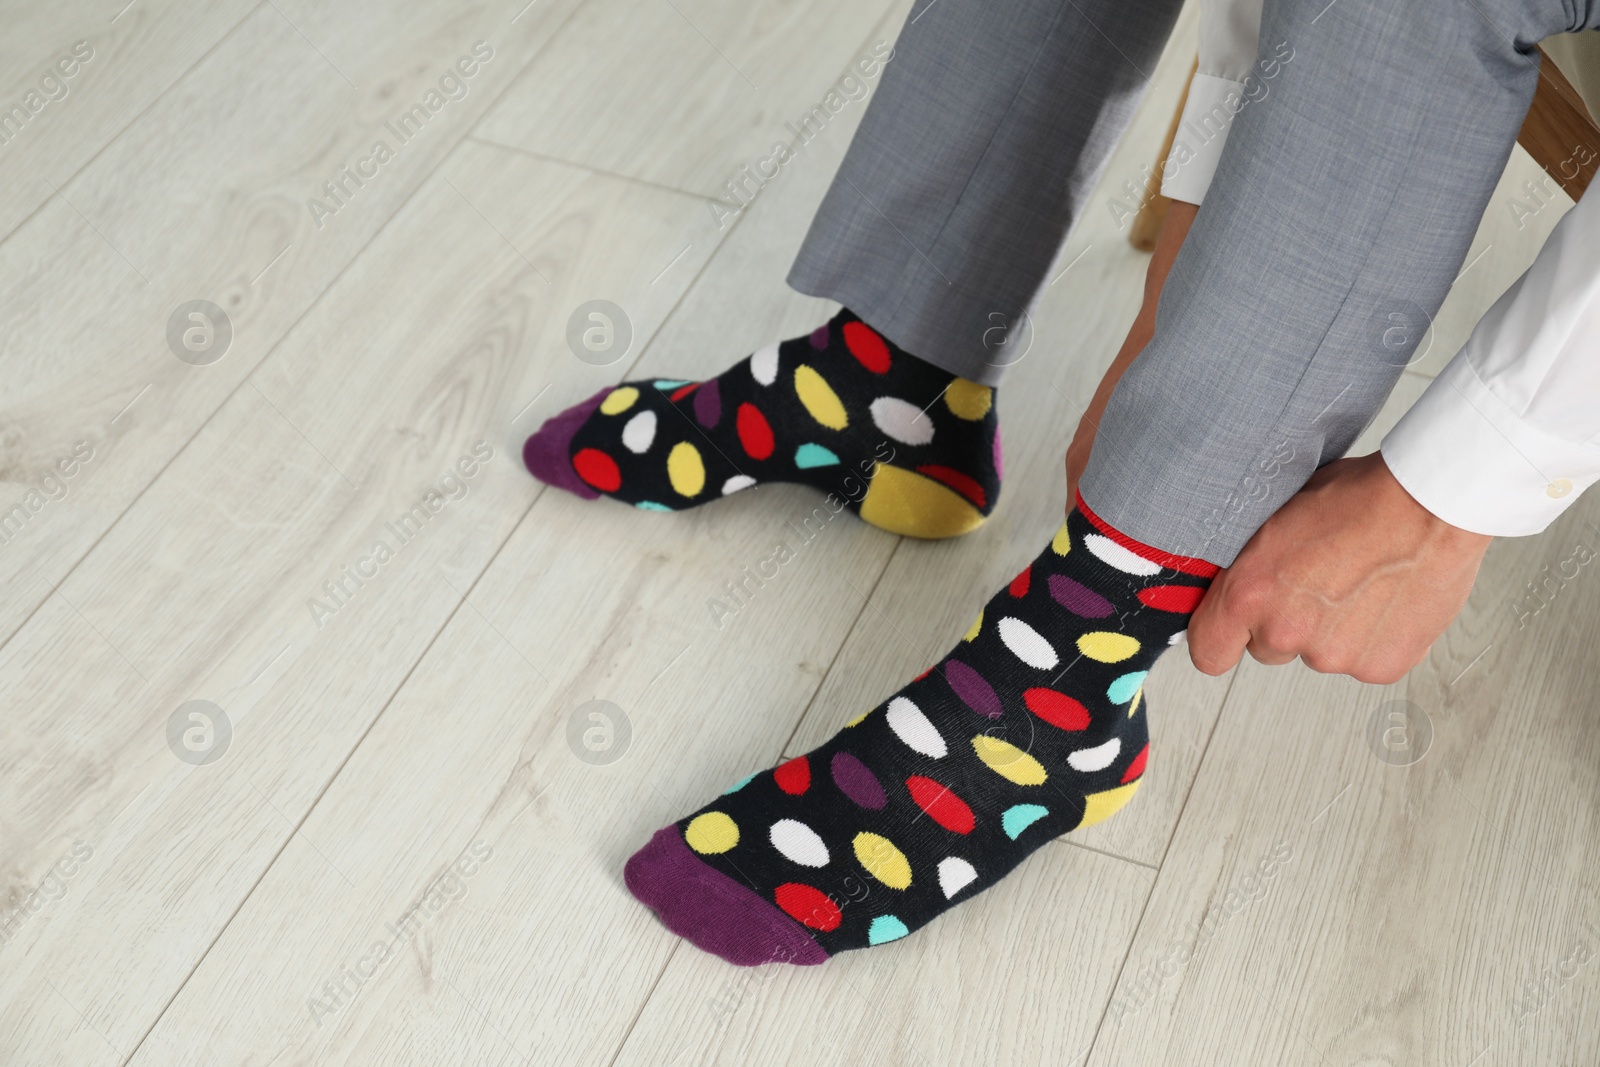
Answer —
399 857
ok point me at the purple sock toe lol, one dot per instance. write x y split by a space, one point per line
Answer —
713 911
547 453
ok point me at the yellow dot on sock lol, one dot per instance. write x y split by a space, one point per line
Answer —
1135 705
1008 761
819 398
882 860
711 833
975 628
1107 647
685 469
905 502
1061 543
1098 807
619 400
968 400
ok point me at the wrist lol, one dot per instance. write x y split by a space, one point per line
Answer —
1432 528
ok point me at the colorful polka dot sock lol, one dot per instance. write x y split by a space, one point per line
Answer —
1032 727
911 448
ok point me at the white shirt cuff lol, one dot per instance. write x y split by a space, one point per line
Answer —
1473 462
1208 115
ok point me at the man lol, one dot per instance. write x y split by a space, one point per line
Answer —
1275 324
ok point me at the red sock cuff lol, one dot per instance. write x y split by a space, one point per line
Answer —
1182 564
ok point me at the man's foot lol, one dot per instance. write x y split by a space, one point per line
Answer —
1033 726
913 449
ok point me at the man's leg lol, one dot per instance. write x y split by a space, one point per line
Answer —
978 152
986 134
1340 215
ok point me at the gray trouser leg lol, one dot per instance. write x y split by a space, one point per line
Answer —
1341 212
988 132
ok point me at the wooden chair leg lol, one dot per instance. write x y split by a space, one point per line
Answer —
1559 133
1153 208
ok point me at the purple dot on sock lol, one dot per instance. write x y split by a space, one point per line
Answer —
974 692
999 460
819 337
1079 598
708 404
857 782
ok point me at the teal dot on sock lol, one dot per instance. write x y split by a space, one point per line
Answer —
885 928
670 383
1019 817
809 455
1121 691
740 784
651 505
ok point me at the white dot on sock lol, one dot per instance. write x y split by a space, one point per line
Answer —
1027 644
764 364
1112 554
640 432
955 874
913 727
799 843
1097 758
901 420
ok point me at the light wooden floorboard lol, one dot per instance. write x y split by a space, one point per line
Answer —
130 53
1021 979
1411 903
202 590
709 87
205 197
214 910
546 953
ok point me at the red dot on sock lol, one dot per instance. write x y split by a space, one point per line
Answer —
1136 768
683 391
964 484
1057 709
807 905
754 433
793 777
867 347
598 469
1019 584
942 806
1182 598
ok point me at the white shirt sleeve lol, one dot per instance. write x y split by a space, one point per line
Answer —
1507 436
1224 84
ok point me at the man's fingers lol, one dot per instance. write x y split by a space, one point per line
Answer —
1262 652
1218 633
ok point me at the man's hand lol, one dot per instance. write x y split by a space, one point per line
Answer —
1351 575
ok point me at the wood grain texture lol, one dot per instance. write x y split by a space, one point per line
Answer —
1410 904
227 913
203 589
546 954
709 87
1559 133
205 196
91 69
1020 978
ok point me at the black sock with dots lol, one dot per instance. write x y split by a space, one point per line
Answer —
911 448
1032 727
